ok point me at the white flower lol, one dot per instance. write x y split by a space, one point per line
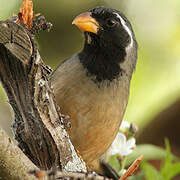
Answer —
125 126
122 146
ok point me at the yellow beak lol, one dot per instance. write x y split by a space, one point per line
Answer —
86 23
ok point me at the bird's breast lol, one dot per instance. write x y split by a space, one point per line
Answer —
95 111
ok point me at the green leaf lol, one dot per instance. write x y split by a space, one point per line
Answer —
150 172
168 152
165 169
149 151
173 171
167 165
168 169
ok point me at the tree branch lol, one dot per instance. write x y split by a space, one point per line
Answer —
38 125
68 175
13 163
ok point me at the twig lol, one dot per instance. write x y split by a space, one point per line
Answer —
134 166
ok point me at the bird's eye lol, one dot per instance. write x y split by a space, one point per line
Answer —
111 22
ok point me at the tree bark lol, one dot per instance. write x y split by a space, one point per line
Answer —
13 162
38 125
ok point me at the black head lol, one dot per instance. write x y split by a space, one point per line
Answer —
114 28
108 40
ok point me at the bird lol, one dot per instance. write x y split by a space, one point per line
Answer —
92 86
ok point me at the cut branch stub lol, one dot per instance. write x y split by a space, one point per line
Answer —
38 125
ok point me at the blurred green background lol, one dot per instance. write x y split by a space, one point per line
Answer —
154 103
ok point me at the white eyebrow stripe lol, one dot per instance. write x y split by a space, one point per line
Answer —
126 28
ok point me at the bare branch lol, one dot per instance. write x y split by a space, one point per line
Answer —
67 175
38 125
13 163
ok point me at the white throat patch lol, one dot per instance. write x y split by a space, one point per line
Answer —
126 28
